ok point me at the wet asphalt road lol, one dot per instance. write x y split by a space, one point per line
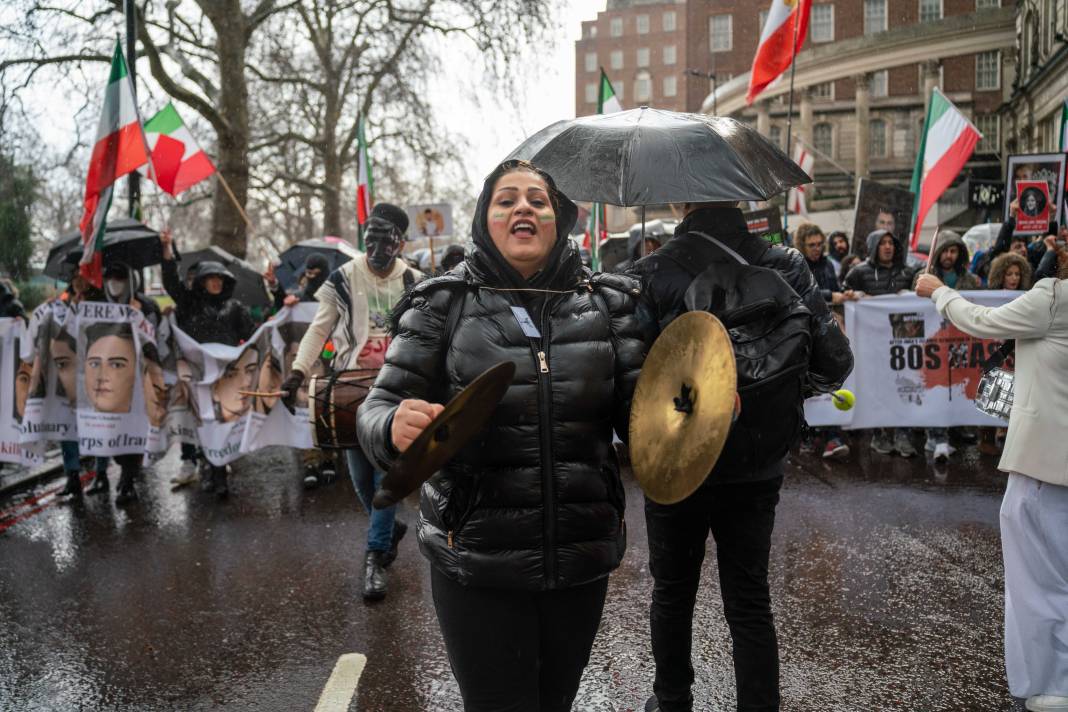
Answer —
886 581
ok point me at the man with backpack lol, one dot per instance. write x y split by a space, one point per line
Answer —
787 346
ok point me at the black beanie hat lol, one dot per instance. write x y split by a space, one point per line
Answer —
317 261
392 213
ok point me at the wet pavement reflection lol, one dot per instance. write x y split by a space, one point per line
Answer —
886 582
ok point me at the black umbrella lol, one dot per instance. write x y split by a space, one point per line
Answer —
249 289
654 157
336 251
125 240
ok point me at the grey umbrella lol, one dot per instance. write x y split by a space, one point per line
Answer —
653 157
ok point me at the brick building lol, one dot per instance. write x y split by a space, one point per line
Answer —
862 80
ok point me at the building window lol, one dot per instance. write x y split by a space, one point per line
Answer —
591 92
592 31
668 21
643 57
670 87
823 139
618 89
642 87
877 138
719 33
987 4
591 61
878 84
821 27
775 136
616 27
616 59
930 10
642 22
823 92
989 126
988 71
719 80
669 54
874 16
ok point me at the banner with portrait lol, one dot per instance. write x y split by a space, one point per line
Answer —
880 207
1046 167
15 375
912 368
50 348
115 343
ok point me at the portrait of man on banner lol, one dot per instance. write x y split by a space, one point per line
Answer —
880 207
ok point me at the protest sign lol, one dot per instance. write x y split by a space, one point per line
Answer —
1034 214
15 375
50 347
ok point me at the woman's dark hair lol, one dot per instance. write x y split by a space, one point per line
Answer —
151 354
63 336
848 262
515 165
97 331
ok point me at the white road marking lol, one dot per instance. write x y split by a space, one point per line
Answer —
340 688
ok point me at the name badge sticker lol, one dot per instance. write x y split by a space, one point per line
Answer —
526 323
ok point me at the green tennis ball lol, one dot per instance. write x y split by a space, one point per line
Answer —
843 399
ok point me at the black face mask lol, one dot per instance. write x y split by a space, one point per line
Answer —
382 250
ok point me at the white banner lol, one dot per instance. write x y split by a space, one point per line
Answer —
912 367
50 347
15 377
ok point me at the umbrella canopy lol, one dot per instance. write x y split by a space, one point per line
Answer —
653 157
125 240
249 289
336 251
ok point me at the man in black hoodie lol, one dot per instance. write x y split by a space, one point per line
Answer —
207 311
738 507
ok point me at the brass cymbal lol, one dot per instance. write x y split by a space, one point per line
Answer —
464 416
683 404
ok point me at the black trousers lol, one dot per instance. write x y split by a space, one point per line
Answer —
517 651
741 518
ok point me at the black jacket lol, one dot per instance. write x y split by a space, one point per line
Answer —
874 279
534 502
218 319
665 281
10 306
826 277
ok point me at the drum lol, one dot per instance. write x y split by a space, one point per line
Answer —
332 404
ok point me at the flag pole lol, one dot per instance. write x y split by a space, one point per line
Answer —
133 179
233 198
790 112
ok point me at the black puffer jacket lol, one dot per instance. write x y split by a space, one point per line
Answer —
665 282
874 279
535 501
217 319
826 276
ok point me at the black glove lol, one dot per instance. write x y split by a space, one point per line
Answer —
289 389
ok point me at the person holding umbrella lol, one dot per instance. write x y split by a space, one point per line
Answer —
524 525
206 310
354 306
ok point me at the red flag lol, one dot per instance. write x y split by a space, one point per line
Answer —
777 47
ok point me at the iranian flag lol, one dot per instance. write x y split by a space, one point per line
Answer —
781 39
177 160
365 182
607 101
797 199
120 149
948 142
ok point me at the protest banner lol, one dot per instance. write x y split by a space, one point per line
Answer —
1047 167
50 347
1034 214
15 375
912 367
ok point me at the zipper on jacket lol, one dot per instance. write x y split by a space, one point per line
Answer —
545 399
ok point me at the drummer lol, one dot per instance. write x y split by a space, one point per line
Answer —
523 526
354 305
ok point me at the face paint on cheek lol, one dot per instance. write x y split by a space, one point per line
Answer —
498 216
546 218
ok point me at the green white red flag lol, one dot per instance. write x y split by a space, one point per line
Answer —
365 182
607 101
120 148
948 142
596 229
178 162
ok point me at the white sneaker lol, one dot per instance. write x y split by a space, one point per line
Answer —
187 473
942 452
1047 703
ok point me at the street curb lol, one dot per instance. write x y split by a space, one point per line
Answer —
33 477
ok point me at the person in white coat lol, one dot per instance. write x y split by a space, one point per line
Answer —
1034 513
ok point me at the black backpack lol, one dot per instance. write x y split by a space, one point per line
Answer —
770 329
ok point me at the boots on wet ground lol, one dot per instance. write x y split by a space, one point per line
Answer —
222 489
374 576
127 493
399 530
74 485
100 484
187 475
902 444
311 477
207 478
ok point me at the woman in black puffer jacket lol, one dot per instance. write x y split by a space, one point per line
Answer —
523 526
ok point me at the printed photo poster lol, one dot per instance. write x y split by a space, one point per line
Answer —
1047 167
880 207
430 220
50 348
15 375
270 422
1034 215
171 405
912 367
115 347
